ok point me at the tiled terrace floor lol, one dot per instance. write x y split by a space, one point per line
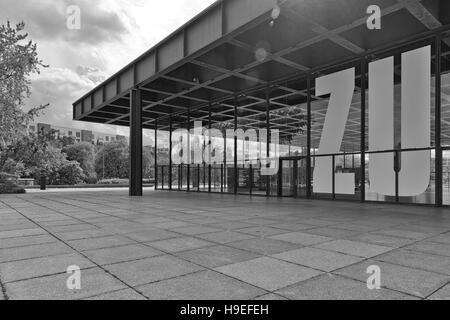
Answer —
199 246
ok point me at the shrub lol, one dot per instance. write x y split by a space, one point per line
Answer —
84 154
91 180
69 173
8 184
4 177
14 167
113 181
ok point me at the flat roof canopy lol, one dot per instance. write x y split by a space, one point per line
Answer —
236 47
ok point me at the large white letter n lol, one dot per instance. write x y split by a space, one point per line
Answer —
414 174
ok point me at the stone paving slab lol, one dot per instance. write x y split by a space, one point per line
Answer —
121 254
418 260
217 256
359 249
380 240
16 226
225 237
38 267
125 295
270 297
204 285
410 281
84 234
151 270
407 234
264 246
34 251
267 273
231 225
332 287
195 230
99 243
94 282
151 235
442 294
333 232
262 231
302 238
72 227
444 239
59 222
169 245
431 247
180 244
26 241
293 226
21 233
318 259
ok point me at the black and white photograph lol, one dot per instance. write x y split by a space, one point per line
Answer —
226 156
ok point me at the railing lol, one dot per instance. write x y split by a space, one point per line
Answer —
247 178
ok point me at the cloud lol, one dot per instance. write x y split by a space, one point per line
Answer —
95 75
47 20
60 87
112 34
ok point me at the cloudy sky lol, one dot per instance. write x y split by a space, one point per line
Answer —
112 34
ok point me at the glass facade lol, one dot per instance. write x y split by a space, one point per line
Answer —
368 130
445 118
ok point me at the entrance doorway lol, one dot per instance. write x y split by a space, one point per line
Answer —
446 176
292 177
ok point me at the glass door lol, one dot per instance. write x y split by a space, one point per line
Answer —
446 176
287 178
302 180
292 178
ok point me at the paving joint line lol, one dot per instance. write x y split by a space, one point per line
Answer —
86 257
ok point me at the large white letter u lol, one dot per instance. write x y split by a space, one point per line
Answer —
414 174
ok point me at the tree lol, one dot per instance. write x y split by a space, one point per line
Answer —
69 173
63 142
84 154
29 154
18 61
35 156
148 162
112 160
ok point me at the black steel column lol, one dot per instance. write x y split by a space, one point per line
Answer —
136 143
156 154
333 174
210 147
236 172
438 129
308 143
198 176
222 178
363 128
250 178
170 152
280 178
225 162
189 150
295 178
268 137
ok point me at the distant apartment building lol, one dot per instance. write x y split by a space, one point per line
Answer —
77 134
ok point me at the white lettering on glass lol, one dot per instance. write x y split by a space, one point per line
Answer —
341 86
414 174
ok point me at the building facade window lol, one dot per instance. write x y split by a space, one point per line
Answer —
375 140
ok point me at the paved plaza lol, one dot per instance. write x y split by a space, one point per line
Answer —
172 245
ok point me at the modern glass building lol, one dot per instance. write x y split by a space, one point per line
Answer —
351 112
